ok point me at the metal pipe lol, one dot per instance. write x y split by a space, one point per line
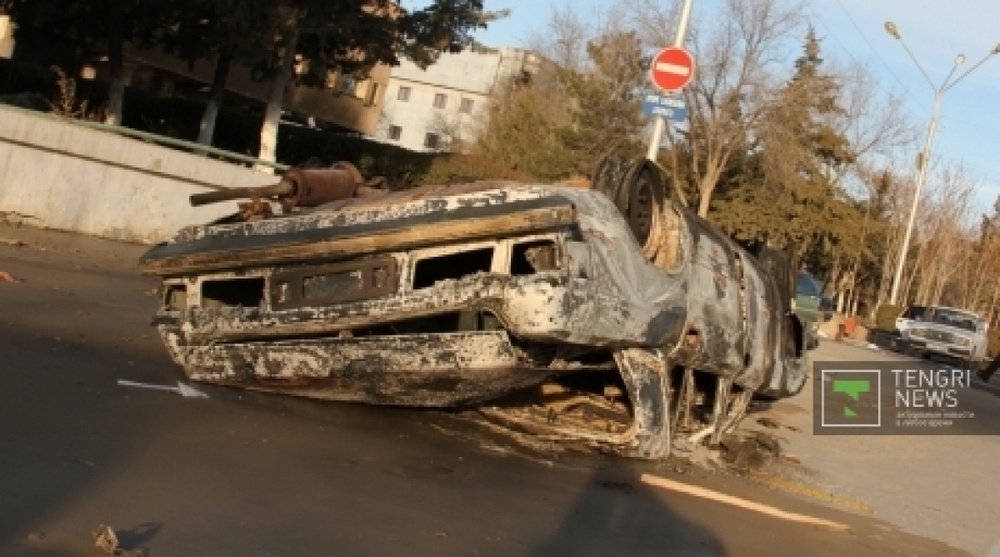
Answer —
660 123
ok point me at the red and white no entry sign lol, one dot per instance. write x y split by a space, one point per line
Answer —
672 68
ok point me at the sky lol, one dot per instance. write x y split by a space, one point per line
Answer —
936 31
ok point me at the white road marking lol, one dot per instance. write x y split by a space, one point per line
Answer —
738 502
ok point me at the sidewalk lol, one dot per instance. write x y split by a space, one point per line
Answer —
939 486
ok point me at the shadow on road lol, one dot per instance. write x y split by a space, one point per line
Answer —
624 517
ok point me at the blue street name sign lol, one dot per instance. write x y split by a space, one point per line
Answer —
672 108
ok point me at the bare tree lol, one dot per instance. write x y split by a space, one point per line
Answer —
730 90
876 128
458 131
941 227
564 40
875 124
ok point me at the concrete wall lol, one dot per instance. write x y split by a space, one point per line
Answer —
56 174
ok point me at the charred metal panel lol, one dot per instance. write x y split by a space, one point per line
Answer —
338 235
763 317
714 304
330 284
439 370
646 377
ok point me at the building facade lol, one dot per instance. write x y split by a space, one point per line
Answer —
345 101
6 36
446 107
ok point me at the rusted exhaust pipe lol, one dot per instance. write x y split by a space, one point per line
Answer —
299 187
279 190
318 186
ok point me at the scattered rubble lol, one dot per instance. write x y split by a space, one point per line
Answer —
752 451
767 421
106 540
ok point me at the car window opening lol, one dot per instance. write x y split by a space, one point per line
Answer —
235 292
533 257
453 266
175 297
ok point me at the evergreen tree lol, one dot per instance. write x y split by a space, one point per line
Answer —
94 28
784 194
605 101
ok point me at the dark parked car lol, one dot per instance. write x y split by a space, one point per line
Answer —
811 305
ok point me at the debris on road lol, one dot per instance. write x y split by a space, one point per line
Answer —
106 540
184 390
752 451
768 422
7 277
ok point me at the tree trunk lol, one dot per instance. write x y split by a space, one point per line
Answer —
272 114
116 89
706 186
207 130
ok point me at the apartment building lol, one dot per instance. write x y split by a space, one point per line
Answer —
345 101
446 106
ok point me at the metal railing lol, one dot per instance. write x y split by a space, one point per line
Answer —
196 148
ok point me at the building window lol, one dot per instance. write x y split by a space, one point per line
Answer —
466 106
395 132
404 94
440 100
432 140
330 81
372 96
348 84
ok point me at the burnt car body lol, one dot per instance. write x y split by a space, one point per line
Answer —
533 304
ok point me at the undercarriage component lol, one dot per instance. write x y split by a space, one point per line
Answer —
299 187
645 410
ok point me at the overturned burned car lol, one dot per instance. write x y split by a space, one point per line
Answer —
533 304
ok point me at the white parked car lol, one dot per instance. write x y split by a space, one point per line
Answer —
943 331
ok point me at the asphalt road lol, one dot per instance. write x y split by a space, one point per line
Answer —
250 474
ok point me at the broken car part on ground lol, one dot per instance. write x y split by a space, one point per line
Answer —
534 303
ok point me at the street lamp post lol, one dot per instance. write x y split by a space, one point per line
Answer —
925 154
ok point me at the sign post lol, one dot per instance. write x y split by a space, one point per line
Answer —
671 69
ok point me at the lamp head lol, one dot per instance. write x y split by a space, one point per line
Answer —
960 59
890 28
